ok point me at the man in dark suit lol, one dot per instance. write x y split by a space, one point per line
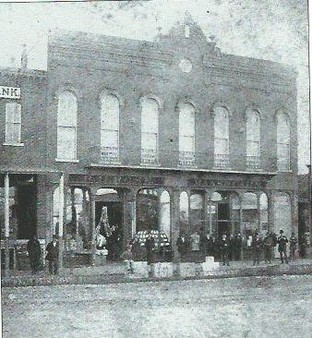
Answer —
34 252
282 241
150 245
182 244
52 255
224 250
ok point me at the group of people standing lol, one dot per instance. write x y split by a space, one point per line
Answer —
233 247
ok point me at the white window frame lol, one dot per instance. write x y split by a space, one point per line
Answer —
283 162
218 161
187 157
11 125
72 125
253 138
153 158
110 155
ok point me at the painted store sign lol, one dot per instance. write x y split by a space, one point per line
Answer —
10 92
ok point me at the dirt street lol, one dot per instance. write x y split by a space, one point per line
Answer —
233 307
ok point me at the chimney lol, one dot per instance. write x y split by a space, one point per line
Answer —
24 57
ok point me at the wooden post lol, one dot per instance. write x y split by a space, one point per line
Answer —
6 223
93 226
61 221
175 221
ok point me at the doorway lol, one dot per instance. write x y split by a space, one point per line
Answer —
224 225
114 239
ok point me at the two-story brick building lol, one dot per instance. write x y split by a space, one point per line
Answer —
172 135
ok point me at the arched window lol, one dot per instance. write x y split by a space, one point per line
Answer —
283 142
253 140
109 128
186 134
67 126
149 131
13 123
221 138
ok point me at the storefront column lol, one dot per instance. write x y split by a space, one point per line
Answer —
270 195
129 215
205 225
85 213
231 212
7 223
92 225
258 212
61 221
189 193
159 208
175 221
209 206
240 198
294 213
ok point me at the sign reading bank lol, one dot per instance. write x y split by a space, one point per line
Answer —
10 92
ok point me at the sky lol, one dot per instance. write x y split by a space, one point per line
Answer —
275 30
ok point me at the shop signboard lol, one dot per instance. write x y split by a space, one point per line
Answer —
10 92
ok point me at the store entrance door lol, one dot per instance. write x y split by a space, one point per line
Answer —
114 232
224 226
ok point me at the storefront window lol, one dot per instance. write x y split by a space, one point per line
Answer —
184 212
250 213
164 217
282 213
264 226
147 210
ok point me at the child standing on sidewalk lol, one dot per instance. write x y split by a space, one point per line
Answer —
127 257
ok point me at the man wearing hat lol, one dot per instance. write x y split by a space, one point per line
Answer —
282 241
52 255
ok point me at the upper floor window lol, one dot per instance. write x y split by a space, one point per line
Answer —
221 138
253 140
67 126
283 142
149 131
109 128
13 123
186 134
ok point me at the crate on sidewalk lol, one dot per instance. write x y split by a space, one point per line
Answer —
163 270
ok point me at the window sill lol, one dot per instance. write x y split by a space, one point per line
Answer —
65 160
14 144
